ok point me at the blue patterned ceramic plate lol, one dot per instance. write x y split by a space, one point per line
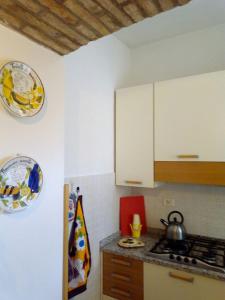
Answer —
21 181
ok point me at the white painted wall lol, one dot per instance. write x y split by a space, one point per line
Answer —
193 53
92 74
31 241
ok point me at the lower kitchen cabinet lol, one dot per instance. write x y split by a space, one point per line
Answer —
104 297
162 283
122 278
130 279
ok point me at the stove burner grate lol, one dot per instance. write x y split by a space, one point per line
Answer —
197 250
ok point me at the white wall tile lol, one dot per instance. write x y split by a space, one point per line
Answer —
203 207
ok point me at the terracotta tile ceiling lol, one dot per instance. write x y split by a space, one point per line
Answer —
66 25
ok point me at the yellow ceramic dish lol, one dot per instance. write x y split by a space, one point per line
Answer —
21 90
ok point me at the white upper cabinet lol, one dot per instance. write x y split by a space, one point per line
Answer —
190 118
134 136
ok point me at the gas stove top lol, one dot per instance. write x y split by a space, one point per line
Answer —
196 251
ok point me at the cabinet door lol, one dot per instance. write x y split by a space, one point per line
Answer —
104 297
189 118
162 283
122 277
134 136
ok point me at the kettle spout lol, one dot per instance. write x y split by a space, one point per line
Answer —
164 222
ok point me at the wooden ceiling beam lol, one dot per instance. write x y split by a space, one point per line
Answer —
123 1
33 6
52 20
50 23
68 43
116 10
85 16
69 18
99 12
9 20
166 4
91 6
35 35
150 8
28 19
106 17
111 14
65 25
182 2
110 22
133 10
60 11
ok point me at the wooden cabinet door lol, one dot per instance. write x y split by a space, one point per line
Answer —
190 118
104 297
122 277
162 283
134 136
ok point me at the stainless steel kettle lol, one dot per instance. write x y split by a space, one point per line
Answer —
175 229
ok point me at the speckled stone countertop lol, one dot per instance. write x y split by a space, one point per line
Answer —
109 245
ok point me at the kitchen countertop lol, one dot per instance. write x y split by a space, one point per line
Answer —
109 245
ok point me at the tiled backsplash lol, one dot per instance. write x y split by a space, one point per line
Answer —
203 207
101 210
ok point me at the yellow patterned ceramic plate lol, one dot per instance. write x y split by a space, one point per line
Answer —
21 90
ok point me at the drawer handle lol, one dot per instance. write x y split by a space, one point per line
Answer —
133 182
120 292
181 277
120 262
188 156
121 277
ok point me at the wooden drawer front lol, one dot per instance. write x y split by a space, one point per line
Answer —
122 277
190 172
122 291
121 262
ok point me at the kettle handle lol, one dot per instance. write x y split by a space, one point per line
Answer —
164 222
176 212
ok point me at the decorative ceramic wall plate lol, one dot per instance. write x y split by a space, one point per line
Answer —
21 181
21 90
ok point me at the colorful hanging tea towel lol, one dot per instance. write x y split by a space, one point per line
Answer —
79 252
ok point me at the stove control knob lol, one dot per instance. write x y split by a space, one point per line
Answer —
194 261
186 260
172 256
178 258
